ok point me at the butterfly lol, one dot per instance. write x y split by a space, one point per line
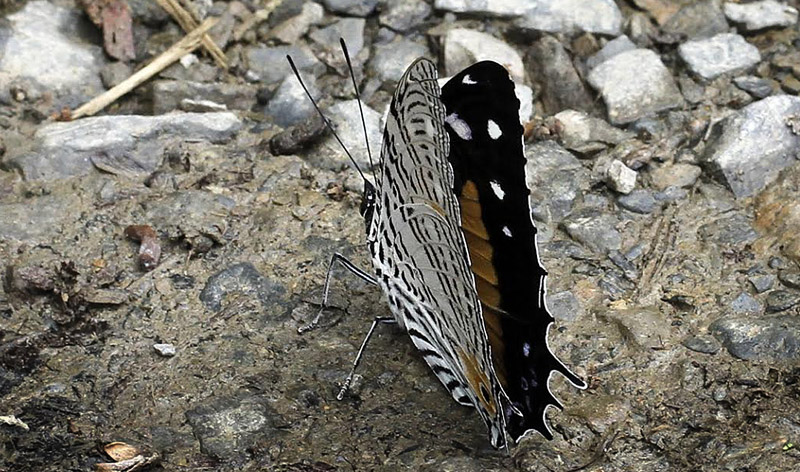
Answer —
453 245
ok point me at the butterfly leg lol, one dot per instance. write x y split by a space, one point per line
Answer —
349 379
336 258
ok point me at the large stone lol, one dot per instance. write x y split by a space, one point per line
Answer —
290 105
351 7
748 149
769 339
697 20
635 84
290 30
118 143
595 230
346 119
463 47
42 52
562 87
169 95
405 16
391 60
611 49
583 133
349 29
760 15
571 16
497 8
555 177
269 64
725 53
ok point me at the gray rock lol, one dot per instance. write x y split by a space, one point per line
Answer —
42 52
585 134
290 30
638 201
290 105
345 117
789 278
117 144
692 91
243 279
697 20
721 54
555 178
760 15
676 175
615 284
168 94
571 16
561 86
495 8
620 177
165 349
20 223
762 282
671 194
767 339
327 38
351 7
148 12
594 230
635 84
733 229
389 61
755 86
463 47
748 149
229 427
115 72
702 344
269 64
564 306
611 49
781 300
744 303
405 16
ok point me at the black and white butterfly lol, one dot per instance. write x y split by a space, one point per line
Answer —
453 245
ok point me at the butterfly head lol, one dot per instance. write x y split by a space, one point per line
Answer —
368 202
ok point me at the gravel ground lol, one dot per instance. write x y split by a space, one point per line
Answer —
158 259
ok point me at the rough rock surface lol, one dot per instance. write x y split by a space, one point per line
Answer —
747 150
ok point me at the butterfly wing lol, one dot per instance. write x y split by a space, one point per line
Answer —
488 159
419 252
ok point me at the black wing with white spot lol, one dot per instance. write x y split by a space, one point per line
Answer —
488 159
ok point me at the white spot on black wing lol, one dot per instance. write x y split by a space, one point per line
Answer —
506 231
460 126
497 189
494 130
467 80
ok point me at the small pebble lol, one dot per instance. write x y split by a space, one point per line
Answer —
165 349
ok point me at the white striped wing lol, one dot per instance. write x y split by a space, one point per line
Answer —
419 251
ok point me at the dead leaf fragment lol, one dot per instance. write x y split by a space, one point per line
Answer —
120 451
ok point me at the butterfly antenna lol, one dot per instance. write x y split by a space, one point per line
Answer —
324 119
358 98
